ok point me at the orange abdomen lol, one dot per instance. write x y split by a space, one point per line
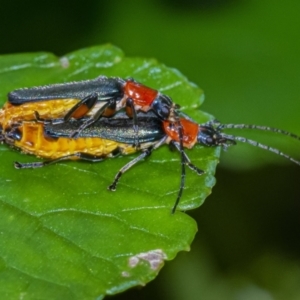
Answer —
50 109
33 141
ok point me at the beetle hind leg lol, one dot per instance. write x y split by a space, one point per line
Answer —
75 156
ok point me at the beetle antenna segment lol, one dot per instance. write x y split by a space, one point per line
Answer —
262 146
258 127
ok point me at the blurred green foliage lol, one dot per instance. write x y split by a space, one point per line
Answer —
245 55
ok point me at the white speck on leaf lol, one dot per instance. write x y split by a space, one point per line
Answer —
64 62
155 258
125 274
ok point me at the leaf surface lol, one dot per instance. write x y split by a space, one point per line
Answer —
63 234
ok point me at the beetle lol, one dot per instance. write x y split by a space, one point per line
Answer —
109 137
102 96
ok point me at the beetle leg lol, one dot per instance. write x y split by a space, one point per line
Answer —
38 119
187 160
78 155
82 107
110 104
125 168
184 161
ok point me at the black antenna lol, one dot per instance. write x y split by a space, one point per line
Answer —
262 146
257 127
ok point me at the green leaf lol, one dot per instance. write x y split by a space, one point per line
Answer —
63 234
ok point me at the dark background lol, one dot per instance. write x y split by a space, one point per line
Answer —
245 55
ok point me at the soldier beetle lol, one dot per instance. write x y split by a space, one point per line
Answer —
109 137
95 98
